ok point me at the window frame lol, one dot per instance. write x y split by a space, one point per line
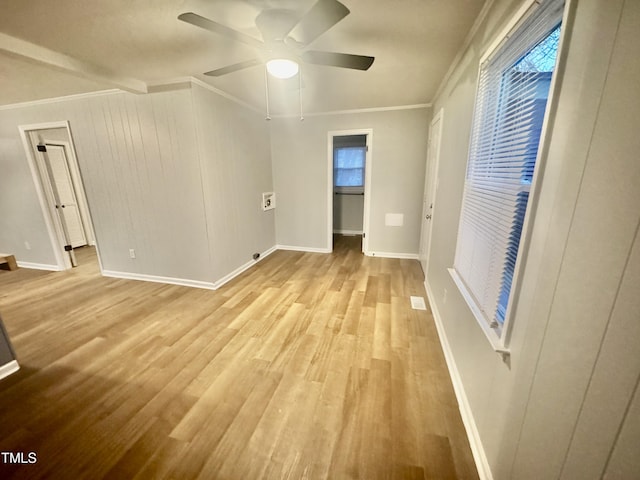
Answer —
500 341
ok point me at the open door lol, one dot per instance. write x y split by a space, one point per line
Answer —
56 175
349 174
64 193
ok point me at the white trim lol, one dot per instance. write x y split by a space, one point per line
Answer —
499 340
186 82
37 168
227 278
479 455
54 230
431 185
495 340
39 266
348 232
508 30
357 110
45 101
168 85
295 248
226 95
541 164
408 256
185 282
78 188
9 368
366 213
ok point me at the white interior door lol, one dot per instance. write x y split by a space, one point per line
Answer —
65 196
430 188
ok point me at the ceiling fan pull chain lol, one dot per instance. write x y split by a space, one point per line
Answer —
266 92
300 91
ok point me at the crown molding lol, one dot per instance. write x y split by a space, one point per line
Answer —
45 101
465 46
222 93
357 110
181 83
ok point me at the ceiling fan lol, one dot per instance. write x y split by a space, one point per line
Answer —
285 37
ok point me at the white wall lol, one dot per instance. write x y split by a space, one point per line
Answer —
20 214
347 213
300 164
235 152
156 178
139 163
566 404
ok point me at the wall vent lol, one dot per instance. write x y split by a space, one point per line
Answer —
417 303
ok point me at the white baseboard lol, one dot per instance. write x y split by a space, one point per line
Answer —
158 279
303 249
239 270
408 256
187 282
9 368
39 266
348 232
479 456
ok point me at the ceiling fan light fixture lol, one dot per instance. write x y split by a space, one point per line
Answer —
282 68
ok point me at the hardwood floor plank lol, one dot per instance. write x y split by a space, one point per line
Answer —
307 366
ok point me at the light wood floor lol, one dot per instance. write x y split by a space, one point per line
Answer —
307 366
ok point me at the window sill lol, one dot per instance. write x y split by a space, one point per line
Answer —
494 339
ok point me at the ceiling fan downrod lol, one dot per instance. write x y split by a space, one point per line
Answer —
266 92
300 91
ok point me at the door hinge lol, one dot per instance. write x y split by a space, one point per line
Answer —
42 148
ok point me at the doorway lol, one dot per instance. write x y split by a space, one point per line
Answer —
349 174
56 175
430 189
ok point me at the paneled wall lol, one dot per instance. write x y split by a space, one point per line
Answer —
139 163
566 404
235 154
170 175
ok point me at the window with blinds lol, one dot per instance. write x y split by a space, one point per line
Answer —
513 87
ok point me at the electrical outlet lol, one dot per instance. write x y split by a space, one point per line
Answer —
132 253
444 297
268 201
27 245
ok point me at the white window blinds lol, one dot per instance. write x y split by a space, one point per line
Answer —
511 99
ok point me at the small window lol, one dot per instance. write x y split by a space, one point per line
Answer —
349 166
513 87
349 160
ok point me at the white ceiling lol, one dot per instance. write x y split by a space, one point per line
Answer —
50 49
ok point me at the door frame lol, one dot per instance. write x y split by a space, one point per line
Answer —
51 219
430 188
367 184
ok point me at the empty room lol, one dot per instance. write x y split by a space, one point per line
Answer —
320 239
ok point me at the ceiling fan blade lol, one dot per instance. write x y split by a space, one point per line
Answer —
343 60
320 18
199 21
234 68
